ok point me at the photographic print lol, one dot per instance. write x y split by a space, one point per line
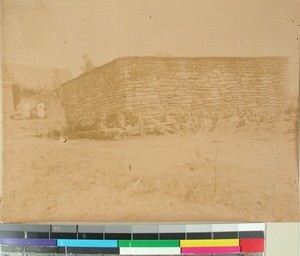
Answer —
150 110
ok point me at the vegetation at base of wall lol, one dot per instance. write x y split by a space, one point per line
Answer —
120 125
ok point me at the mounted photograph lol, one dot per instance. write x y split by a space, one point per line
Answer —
149 111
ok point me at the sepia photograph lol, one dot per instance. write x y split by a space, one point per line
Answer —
150 110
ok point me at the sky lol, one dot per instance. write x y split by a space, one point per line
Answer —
56 33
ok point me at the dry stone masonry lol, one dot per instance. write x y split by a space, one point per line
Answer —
152 86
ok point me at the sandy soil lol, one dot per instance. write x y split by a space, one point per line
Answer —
216 176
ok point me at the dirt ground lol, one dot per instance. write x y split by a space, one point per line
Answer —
235 175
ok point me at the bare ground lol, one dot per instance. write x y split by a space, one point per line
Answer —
216 176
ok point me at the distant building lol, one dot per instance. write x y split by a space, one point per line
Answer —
9 105
36 78
24 82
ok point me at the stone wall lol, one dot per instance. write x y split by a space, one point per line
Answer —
151 86
94 95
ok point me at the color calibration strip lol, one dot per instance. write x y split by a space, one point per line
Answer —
200 239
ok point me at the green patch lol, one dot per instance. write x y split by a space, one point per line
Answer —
148 243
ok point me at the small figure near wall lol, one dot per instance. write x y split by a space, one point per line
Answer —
40 110
26 110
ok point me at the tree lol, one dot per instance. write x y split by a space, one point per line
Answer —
87 64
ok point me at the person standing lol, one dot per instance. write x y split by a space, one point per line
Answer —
40 110
26 109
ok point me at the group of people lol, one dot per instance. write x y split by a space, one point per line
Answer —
27 109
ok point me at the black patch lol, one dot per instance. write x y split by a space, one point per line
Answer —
251 234
199 235
145 236
63 235
38 235
171 236
93 236
87 250
225 235
118 236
